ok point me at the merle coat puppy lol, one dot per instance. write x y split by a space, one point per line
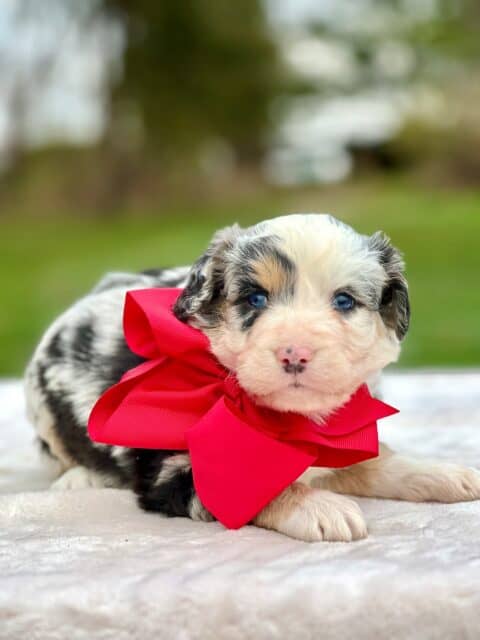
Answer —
304 310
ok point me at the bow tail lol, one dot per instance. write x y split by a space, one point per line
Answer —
238 470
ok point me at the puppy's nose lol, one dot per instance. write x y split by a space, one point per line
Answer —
294 359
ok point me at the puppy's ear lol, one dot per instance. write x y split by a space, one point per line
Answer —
394 303
201 299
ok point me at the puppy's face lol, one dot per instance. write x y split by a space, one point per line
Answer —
302 308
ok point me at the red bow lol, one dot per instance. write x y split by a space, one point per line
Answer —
181 398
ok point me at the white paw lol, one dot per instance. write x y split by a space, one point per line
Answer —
323 515
445 483
78 478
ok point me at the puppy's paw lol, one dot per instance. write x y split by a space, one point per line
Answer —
314 515
323 515
78 478
444 483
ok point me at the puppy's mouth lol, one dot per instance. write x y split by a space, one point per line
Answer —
296 384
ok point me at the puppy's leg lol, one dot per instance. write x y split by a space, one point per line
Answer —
402 478
164 483
313 515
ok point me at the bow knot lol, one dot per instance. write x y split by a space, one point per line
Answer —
231 387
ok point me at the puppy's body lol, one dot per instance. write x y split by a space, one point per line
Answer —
303 310
81 355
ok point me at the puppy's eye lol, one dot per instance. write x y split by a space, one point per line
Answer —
257 300
343 301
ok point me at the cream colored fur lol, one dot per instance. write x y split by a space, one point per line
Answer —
313 515
403 478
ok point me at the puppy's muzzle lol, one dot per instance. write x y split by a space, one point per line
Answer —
294 359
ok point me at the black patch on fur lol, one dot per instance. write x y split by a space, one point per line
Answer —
172 497
155 273
186 303
201 298
108 371
55 348
116 364
82 343
394 302
74 437
395 307
247 285
45 448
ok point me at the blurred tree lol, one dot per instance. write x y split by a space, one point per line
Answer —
196 70
191 78
28 65
419 55
183 77
49 65
394 42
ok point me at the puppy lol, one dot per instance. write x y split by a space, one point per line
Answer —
303 310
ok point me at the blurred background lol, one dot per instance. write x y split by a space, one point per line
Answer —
131 129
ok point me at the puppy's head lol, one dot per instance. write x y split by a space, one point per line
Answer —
302 308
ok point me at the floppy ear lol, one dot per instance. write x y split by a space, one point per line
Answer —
201 298
394 303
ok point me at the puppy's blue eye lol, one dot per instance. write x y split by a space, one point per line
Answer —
257 300
343 302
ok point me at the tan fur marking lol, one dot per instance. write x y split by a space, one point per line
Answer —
272 276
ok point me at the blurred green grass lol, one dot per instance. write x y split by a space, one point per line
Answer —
46 263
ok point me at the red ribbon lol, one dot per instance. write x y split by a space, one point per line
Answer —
181 398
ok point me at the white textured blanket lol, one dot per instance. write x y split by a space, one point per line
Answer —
88 564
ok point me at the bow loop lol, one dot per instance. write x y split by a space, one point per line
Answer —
151 330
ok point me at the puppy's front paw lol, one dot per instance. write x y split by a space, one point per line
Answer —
78 478
445 483
313 515
323 515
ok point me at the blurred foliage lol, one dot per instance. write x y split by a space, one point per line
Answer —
196 70
437 39
189 101
453 31
444 157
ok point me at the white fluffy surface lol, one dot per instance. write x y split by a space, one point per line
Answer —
89 564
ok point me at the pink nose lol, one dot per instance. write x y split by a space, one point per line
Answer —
294 359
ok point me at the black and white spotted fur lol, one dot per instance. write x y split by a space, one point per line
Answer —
81 355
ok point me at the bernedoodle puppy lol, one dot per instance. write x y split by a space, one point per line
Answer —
303 310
